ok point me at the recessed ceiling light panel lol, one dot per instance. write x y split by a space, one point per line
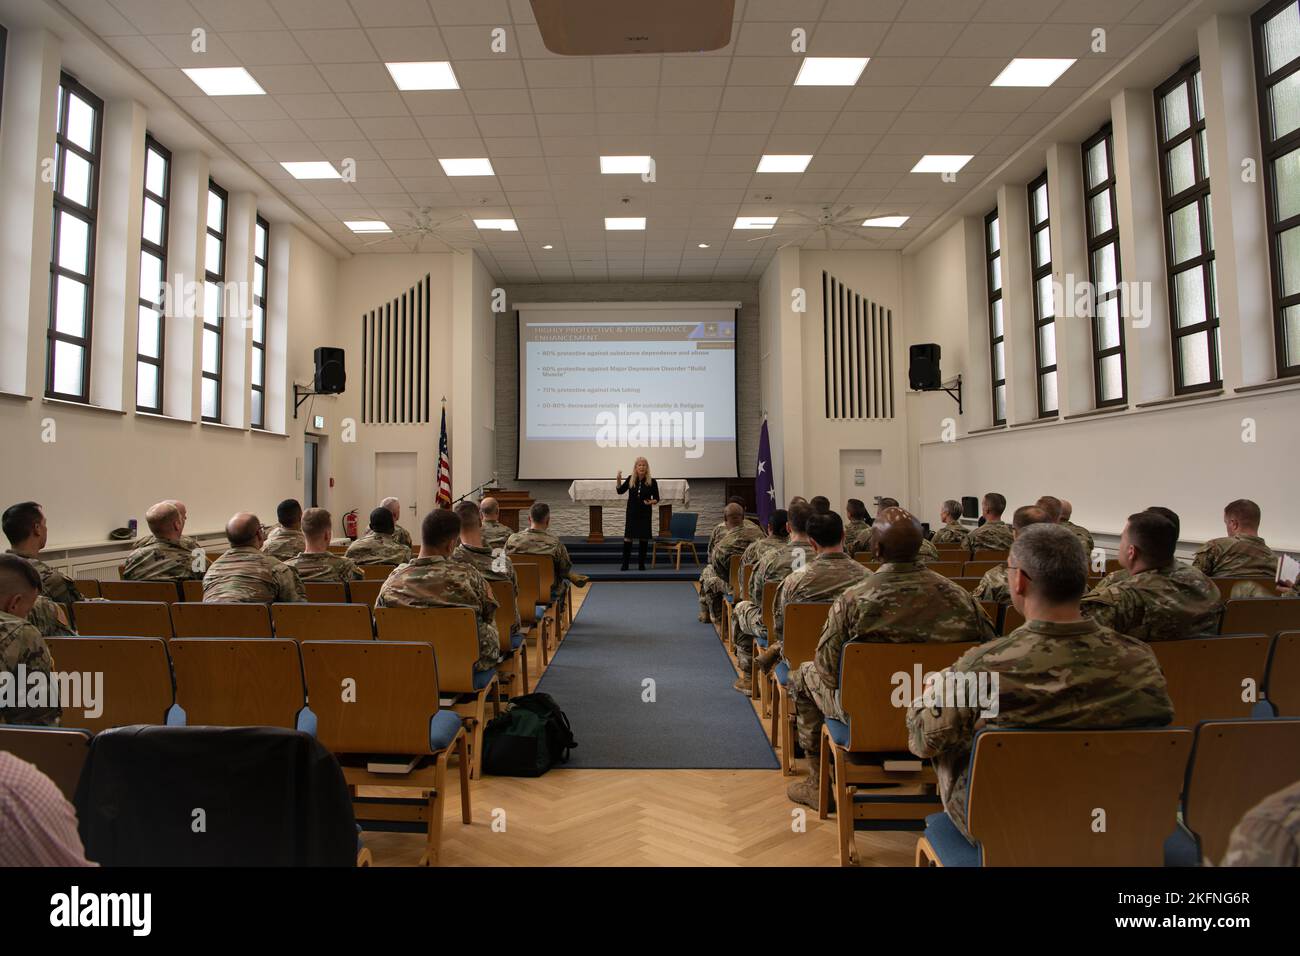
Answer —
783 164
224 81
831 70
617 223
755 222
618 165
312 170
424 75
1032 72
367 225
886 222
941 164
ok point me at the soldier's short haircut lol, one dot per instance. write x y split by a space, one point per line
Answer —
381 521
827 530
288 512
20 521
438 528
1051 505
889 503
995 503
952 508
1244 511
539 512
821 504
1167 513
316 521
17 575
1054 560
856 509
469 516
780 523
800 512
797 500
1154 536
490 507
736 500
1029 514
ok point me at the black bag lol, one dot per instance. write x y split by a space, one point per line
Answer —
528 739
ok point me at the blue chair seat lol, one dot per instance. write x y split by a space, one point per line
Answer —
1181 848
953 848
761 642
839 732
442 729
783 673
516 640
483 678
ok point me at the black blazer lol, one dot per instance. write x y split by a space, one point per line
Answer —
637 521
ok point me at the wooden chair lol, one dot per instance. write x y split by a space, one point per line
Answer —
867 560
994 555
322 622
375 697
949 569
991 610
729 599
453 632
1260 616
137 680
240 682
326 592
164 591
681 534
514 656
531 624
338 549
1035 795
88 587
966 584
56 752
801 628
1282 676
1207 676
762 689
977 569
1234 765
952 552
221 620
192 591
1011 619
1112 565
364 592
869 748
124 619
213 555
376 572
551 617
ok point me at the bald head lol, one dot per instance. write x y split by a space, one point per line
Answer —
243 530
164 521
896 535
733 514
179 506
489 509
1026 515
1067 509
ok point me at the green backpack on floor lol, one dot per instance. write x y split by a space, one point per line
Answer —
528 739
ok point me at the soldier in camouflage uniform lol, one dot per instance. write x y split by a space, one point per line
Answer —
1080 532
952 531
472 551
1058 671
994 534
778 534
495 534
50 618
857 533
1159 601
774 566
537 539
317 562
24 525
244 575
1243 553
286 539
902 603
993 585
434 580
714 579
21 644
164 558
1269 833
188 543
378 545
401 534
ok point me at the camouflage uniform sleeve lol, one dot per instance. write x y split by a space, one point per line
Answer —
1205 558
984 590
757 577
778 610
350 571
987 633
565 564
932 731
58 587
23 645
288 585
831 642
1105 606
49 618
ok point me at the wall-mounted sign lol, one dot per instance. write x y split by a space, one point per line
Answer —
318 422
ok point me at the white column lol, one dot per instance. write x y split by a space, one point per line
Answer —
186 234
237 337
1017 305
278 393
977 378
1074 380
790 468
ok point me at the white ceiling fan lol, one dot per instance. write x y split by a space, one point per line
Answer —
828 220
423 224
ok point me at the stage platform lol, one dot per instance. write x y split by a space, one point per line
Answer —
601 562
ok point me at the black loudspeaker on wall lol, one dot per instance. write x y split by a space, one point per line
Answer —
923 366
970 506
331 376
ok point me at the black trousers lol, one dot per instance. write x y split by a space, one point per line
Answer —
627 552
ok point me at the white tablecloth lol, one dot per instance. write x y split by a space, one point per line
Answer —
601 491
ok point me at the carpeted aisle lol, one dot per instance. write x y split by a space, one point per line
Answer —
626 634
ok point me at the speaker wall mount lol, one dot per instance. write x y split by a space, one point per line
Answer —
952 388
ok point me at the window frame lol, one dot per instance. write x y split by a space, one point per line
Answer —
259 301
1199 194
992 221
1036 274
218 279
1096 241
68 85
160 251
1272 150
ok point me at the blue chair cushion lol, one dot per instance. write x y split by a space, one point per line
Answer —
483 678
516 639
839 732
307 721
761 641
442 729
783 673
953 848
1181 848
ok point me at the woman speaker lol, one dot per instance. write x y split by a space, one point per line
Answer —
642 495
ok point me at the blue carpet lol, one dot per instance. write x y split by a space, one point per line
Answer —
626 633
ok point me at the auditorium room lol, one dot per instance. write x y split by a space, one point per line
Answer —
606 433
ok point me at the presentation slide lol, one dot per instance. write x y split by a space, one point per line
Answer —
601 384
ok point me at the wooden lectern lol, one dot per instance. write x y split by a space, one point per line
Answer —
511 502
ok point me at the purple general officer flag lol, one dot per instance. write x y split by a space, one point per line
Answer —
764 488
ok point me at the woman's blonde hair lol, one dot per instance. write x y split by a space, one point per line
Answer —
648 477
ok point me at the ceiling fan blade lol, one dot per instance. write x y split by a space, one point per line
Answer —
762 237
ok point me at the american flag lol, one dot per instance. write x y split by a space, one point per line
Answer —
444 467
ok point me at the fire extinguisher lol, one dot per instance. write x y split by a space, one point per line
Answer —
350 524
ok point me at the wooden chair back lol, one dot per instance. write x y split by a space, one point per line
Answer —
88 587
1034 795
326 592
124 619
221 620
1260 616
868 689
1206 676
137 682
371 696
1282 679
338 549
364 592
529 578
192 591
238 682
213 555
452 631
995 555
746 572
991 610
376 572
949 569
58 753
165 591
864 557
545 573
801 628
322 622
952 552
1011 619
1112 565
505 616
1235 764
977 569
733 574
966 584
769 604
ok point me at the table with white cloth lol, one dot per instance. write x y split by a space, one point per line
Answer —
596 492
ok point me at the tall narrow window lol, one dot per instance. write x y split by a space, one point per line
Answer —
150 336
1109 375
997 332
1040 253
214 303
1189 231
259 322
1277 70
79 127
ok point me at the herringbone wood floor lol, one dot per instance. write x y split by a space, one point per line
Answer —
635 818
